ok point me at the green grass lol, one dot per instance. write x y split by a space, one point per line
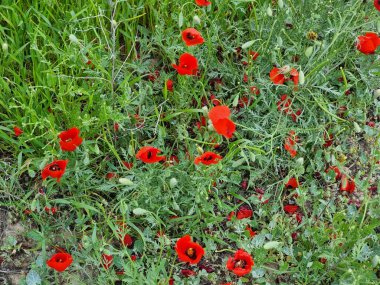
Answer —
46 86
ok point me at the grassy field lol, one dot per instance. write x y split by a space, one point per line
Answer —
296 187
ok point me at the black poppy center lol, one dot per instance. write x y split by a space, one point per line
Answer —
190 36
190 252
149 154
54 167
240 263
60 260
208 158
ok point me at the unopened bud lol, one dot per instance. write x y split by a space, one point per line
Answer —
301 78
173 182
357 127
196 20
73 39
309 51
269 12
280 4
5 47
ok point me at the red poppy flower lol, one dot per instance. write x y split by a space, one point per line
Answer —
377 4
171 281
299 217
329 139
107 260
219 116
253 55
215 101
245 101
255 90
55 169
280 75
291 209
208 158
128 165
244 213
60 261
276 76
169 85
294 76
292 183
202 2
148 154
284 104
116 127
251 232
336 170
188 272
110 175
241 263
201 123
153 76
230 215
188 65
189 251
347 184
290 143
17 131
127 240
192 37
70 139
296 115
368 44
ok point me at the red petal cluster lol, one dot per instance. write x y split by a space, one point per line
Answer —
220 118
148 154
241 263
189 251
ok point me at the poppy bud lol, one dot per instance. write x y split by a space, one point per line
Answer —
173 182
300 161
357 128
140 212
205 110
113 23
73 39
377 93
301 78
280 4
269 11
125 181
199 149
196 20
5 47
375 260
309 51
